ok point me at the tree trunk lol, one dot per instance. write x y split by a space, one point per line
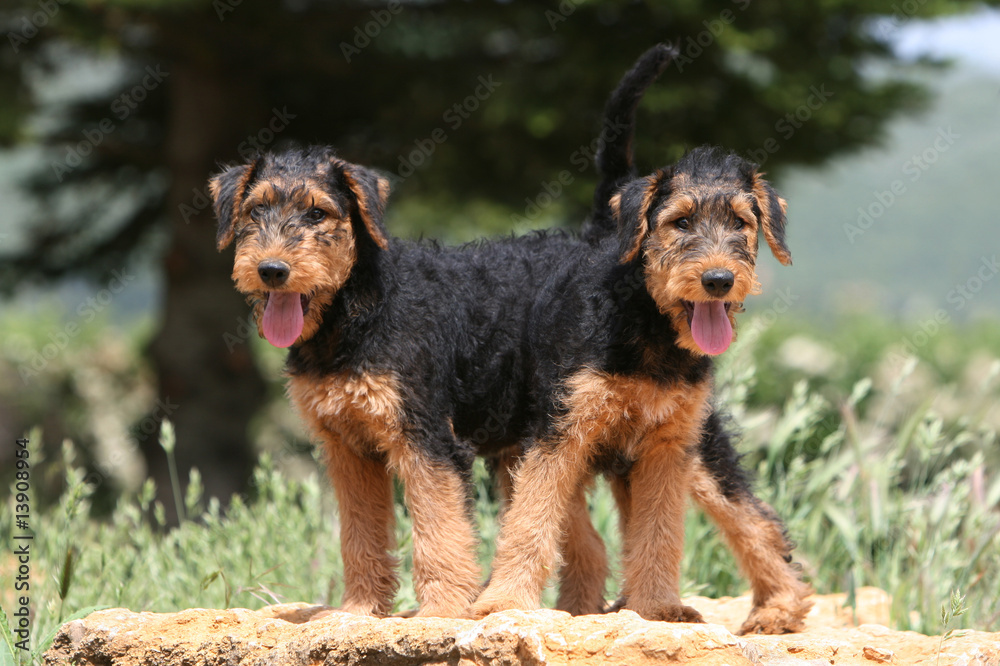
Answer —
208 384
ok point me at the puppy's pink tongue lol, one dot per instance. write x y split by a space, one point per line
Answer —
282 321
710 327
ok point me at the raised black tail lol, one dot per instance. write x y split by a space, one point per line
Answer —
615 163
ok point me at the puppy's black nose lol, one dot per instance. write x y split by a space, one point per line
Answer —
274 273
717 281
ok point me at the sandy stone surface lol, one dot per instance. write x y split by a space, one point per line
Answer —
308 635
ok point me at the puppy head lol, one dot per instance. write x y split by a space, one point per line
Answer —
694 226
301 220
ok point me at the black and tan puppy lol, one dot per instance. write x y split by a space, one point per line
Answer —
404 358
621 339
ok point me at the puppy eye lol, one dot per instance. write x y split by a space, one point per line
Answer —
316 215
257 212
683 223
740 224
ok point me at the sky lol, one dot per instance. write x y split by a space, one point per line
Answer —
973 38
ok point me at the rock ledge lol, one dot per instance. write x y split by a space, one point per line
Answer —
301 634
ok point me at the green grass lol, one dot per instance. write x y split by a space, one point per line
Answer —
884 466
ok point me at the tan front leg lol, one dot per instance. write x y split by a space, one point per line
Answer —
445 572
364 498
654 543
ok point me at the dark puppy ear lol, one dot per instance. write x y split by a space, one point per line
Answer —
370 192
772 218
228 190
631 207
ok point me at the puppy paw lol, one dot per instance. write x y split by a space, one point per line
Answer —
667 613
777 617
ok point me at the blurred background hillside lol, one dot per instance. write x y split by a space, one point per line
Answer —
877 121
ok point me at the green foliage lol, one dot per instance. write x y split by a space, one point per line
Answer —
948 613
380 96
90 385
888 479
281 545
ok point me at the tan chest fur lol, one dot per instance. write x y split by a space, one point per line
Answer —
363 409
618 411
